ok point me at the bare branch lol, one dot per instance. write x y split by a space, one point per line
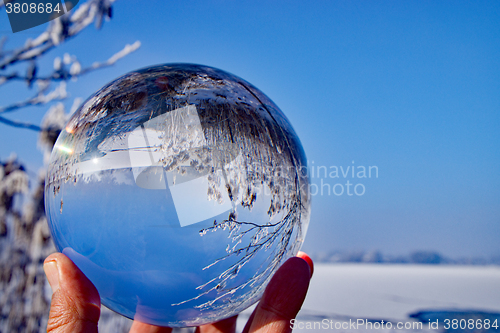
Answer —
20 124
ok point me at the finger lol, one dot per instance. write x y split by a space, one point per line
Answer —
227 325
138 327
75 305
282 298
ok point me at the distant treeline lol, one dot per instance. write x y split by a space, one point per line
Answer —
416 257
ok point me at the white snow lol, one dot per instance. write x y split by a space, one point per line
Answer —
343 292
394 291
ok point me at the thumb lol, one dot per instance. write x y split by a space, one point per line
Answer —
75 305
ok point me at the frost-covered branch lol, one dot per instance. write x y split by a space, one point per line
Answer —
75 69
65 69
59 30
40 98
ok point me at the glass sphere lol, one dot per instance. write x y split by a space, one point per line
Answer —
178 190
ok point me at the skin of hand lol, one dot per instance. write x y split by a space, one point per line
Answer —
76 304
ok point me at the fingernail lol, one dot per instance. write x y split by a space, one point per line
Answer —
52 274
309 261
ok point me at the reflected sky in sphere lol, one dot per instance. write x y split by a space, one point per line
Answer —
178 190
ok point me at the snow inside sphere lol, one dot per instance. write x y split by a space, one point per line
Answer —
178 190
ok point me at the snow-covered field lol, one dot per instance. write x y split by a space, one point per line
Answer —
375 292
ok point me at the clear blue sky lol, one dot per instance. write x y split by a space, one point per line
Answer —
410 87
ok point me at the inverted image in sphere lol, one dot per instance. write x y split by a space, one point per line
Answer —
178 190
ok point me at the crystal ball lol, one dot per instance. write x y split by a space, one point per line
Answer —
178 190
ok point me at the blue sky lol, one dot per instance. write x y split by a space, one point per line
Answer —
412 88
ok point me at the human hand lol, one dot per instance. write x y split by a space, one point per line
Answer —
76 304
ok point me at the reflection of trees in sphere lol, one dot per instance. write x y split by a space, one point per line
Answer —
178 190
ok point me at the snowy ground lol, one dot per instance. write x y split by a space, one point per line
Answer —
352 292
